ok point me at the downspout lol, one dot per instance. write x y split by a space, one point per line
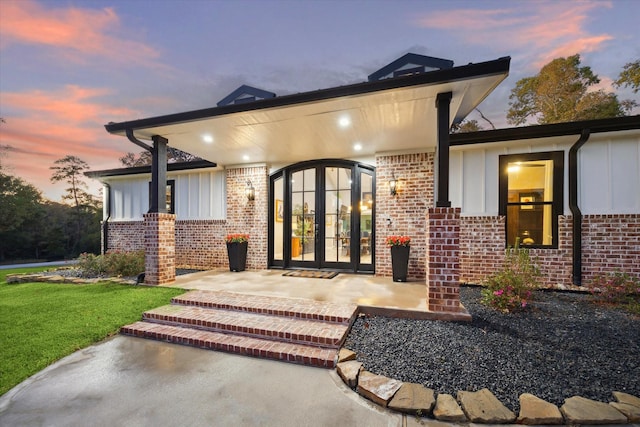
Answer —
105 223
575 209
136 141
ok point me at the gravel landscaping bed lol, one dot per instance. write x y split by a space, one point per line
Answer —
562 346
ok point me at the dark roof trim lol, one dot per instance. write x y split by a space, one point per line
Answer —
497 66
544 131
200 164
245 90
411 58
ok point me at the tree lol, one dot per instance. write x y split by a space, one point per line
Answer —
70 170
559 93
143 158
630 76
19 205
466 126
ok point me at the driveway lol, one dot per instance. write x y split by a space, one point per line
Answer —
128 381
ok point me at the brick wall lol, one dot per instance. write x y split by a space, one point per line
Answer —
443 259
482 240
407 210
126 236
610 243
200 244
244 216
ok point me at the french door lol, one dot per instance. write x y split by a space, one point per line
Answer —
322 216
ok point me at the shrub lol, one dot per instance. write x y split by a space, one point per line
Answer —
617 288
112 264
512 288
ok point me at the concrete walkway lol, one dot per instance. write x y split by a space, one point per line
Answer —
135 382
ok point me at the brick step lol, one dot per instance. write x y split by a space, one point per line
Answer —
276 306
244 345
294 330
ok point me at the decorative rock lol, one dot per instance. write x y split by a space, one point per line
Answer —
345 355
413 399
483 407
447 409
630 411
579 410
349 371
627 398
534 410
377 388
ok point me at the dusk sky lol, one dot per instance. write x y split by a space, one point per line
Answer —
69 67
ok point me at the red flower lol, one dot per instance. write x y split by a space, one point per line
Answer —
398 241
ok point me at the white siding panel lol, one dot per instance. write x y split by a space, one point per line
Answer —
625 177
473 191
455 178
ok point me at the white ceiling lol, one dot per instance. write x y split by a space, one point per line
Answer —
393 120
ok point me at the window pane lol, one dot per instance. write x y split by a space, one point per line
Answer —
366 217
531 224
278 219
530 181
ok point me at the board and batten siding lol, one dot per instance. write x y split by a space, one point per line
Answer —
608 173
198 195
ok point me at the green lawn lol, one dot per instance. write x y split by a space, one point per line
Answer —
42 322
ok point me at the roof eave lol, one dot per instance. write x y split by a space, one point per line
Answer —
488 68
545 131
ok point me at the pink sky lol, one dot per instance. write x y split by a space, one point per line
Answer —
66 70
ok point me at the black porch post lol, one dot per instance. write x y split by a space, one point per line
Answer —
158 175
443 103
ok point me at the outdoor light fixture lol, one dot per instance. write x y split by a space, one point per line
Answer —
250 191
393 185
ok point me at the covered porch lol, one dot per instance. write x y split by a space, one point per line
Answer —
373 295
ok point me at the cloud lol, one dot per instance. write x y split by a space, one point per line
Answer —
43 126
547 29
77 33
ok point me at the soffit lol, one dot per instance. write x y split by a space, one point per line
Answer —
399 119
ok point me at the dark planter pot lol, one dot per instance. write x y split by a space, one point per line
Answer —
400 263
237 255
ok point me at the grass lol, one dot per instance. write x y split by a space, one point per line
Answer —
43 322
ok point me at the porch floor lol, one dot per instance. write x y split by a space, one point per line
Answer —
373 295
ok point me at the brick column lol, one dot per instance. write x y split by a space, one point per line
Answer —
160 248
443 260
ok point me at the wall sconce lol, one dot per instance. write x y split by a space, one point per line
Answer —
393 185
250 191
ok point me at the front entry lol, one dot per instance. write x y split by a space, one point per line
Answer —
322 216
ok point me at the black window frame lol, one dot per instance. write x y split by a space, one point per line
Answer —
557 204
171 185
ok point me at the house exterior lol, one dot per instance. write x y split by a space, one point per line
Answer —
320 179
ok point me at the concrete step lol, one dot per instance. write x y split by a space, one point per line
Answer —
244 345
265 326
277 306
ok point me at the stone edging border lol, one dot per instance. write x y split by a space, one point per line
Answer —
480 406
49 278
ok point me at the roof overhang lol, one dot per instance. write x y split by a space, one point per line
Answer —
392 115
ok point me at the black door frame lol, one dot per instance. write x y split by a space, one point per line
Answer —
319 262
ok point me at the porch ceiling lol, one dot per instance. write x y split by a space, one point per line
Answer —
382 117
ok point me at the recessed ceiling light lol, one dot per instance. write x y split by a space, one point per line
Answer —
207 138
357 146
344 122
245 157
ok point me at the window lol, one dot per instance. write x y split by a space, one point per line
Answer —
170 196
531 197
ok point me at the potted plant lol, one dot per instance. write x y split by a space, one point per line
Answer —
237 251
400 246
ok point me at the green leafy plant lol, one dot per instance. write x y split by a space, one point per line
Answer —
116 263
618 288
512 288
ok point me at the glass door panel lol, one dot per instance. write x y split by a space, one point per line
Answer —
366 218
303 215
337 217
278 220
